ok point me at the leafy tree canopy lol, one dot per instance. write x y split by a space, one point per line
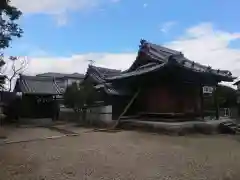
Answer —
8 29
227 96
79 95
8 26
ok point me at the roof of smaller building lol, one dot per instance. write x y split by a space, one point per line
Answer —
99 74
37 85
62 75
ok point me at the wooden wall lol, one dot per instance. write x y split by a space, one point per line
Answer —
162 99
166 99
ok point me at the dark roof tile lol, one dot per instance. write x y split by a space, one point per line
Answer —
99 74
62 75
38 85
160 56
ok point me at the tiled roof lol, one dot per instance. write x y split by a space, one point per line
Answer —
99 74
62 75
37 85
108 88
157 57
151 58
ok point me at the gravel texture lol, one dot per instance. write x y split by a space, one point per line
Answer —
123 155
19 134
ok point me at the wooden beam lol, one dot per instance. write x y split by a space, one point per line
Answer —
127 107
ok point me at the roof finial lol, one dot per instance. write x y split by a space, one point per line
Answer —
209 68
142 41
91 62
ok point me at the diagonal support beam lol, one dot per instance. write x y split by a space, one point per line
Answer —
127 107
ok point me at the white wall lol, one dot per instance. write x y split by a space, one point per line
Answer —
101 114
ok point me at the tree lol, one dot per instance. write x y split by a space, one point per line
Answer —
8 29
227 96
8 26
78 96
13 67
72 97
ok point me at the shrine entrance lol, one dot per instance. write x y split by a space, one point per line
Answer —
37 106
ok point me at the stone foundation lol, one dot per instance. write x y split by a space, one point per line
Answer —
176 128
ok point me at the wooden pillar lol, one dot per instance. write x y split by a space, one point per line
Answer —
216 102
201 102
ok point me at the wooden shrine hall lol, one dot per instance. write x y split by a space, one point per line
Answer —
161 84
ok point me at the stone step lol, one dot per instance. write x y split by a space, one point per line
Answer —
235 128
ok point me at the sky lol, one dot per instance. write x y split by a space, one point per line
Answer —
63 35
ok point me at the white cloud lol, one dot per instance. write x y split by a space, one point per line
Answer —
202 43
210 46
79 63
53 6
58 8
165 28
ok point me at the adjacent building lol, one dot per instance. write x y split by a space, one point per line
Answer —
37 97
64 80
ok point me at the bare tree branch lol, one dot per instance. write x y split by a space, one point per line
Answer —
18 65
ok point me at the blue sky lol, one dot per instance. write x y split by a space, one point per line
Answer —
60 35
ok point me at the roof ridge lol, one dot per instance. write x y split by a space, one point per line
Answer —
100 67
161 48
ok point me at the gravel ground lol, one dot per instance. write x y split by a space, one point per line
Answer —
19 134
123 155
